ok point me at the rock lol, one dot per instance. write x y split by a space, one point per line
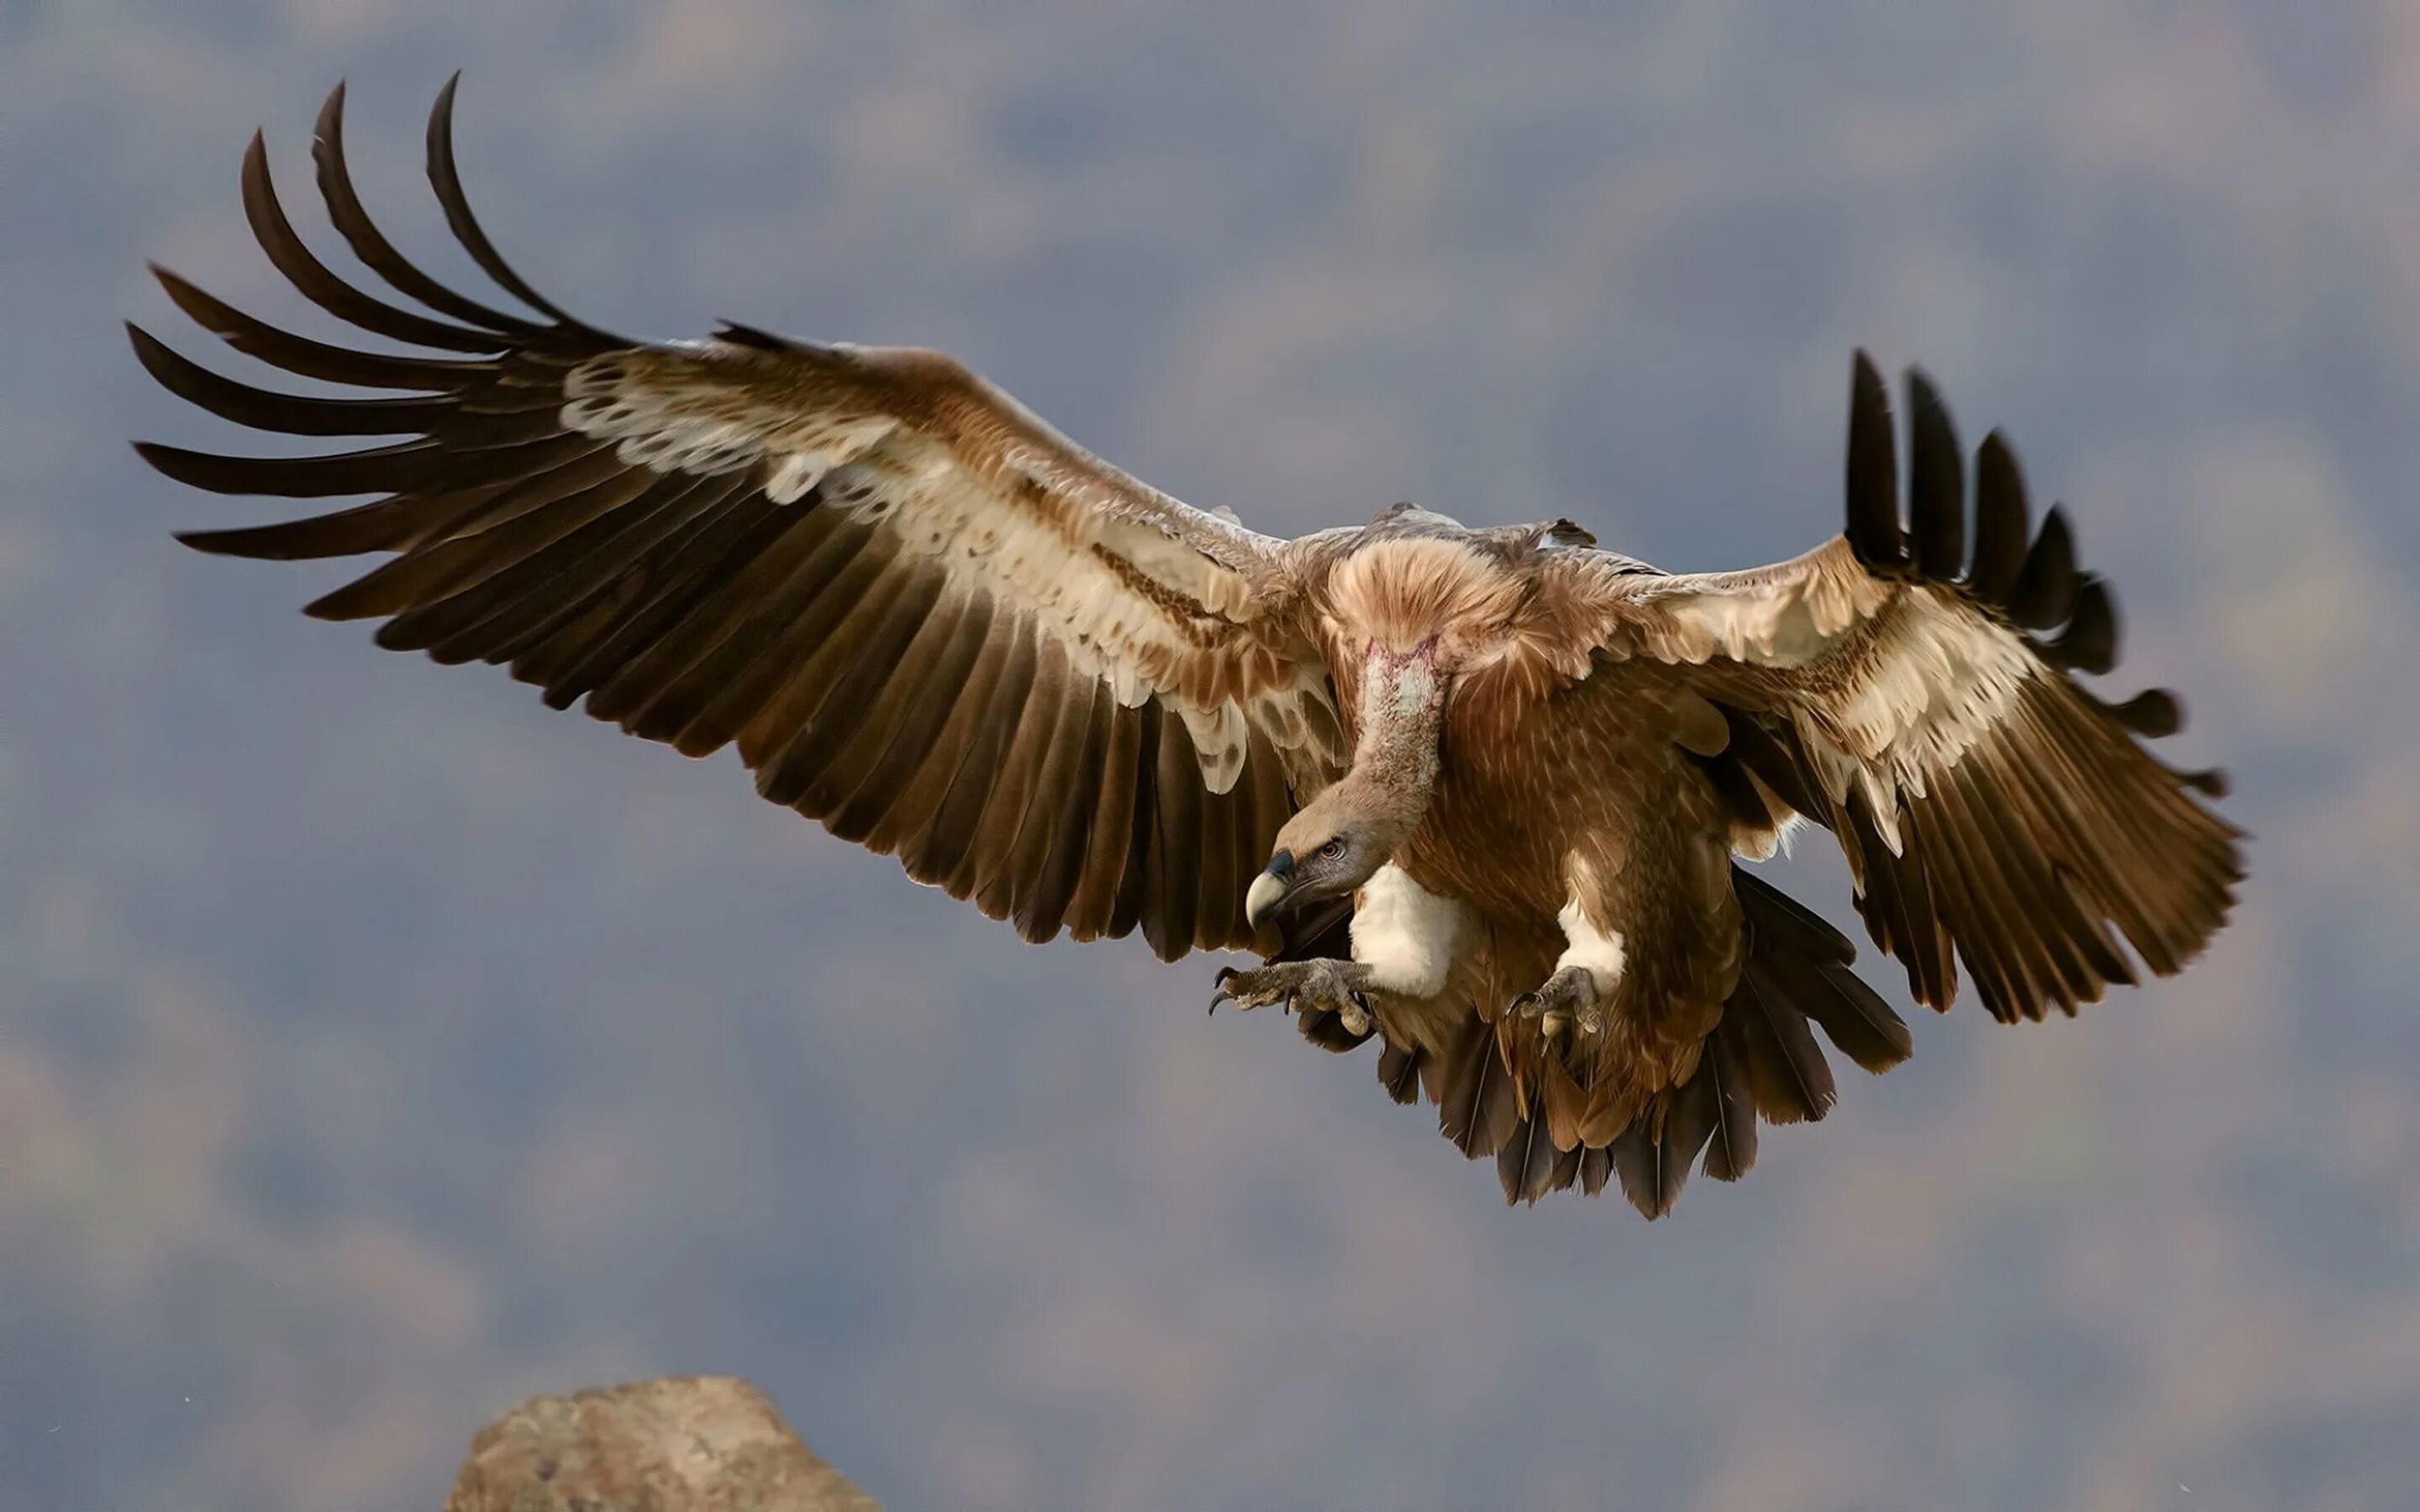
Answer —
685 1443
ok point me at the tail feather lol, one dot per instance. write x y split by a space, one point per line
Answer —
1762 1063
1479 1111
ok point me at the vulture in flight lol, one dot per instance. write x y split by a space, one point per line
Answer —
1488 797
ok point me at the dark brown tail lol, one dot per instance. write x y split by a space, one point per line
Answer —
1762 1062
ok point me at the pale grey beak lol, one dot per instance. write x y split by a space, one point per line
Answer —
1270 890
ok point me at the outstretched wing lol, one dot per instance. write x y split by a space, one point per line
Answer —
1913 698
927 619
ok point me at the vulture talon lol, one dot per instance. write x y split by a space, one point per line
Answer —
1317 986
1568 997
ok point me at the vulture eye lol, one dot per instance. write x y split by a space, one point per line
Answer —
1330 851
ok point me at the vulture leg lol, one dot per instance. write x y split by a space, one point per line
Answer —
1590 972
1570 996
1338 987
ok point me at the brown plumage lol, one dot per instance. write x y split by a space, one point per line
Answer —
1482 795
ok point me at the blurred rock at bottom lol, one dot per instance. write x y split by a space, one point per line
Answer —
685 1443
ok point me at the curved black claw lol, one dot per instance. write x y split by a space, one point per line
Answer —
1316 987
1567 998
1219 986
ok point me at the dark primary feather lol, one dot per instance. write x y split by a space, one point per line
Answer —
2003 524
2044 593
487 580
1936 493
312 277
2154 714
1872 470
285 413
403 465
306 358
2089 643
370 244
447 181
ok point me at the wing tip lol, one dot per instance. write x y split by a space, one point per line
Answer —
330 123
210 543
161 457
1872 473
1923 395
149 351
231 542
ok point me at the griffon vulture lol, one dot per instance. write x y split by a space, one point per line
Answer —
1484 796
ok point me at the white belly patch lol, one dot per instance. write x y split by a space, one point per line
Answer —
1407 936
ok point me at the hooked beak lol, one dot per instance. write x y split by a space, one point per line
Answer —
1271 892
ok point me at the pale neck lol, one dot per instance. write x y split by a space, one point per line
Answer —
1403 716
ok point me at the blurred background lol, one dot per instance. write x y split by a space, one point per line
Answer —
376 1048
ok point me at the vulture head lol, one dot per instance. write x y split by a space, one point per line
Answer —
1330 848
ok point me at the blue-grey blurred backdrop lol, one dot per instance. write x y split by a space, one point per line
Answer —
376 1048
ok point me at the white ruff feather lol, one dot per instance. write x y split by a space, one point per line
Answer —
1406 935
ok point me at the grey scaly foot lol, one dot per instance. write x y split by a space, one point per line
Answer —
1568 997
1323 986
